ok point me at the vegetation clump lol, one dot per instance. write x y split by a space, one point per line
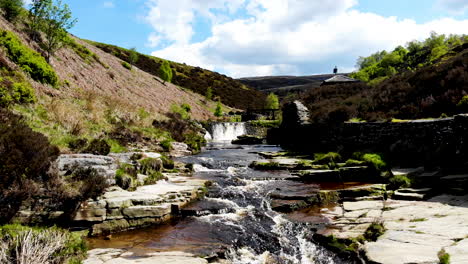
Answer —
399 181
126 65
165 71
444 257
97 147
14 89
374 231
11 8
21 244
29 61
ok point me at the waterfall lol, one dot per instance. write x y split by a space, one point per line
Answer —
227 131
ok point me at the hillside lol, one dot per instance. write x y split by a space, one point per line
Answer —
284 85
432 91
92 94
231 92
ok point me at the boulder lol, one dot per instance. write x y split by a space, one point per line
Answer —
295 114
179 149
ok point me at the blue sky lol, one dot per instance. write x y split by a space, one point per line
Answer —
266 37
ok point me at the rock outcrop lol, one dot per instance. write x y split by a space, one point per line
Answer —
295 114
119 210
416 230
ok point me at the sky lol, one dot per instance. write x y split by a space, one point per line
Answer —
244 38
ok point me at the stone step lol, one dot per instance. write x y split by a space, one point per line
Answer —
319 175
363 198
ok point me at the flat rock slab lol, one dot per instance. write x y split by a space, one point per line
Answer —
119 256
458 252
416 230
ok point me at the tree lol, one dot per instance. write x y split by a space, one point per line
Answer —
165 71
12 8
57 20
219 110
36 17
133 56
272 101
52 19
209 93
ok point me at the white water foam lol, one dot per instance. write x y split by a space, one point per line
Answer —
227 131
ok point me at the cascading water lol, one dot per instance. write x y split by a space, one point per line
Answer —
226 131
235 221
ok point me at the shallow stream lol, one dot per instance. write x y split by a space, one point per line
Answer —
235 220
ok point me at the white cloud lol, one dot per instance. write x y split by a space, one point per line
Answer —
458 7
286 36
108 4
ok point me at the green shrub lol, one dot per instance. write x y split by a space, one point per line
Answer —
12 92
374 160
28 60
115 146
444 257
167 162
219 110
374 231
166 144
25 158
195 141
183 110
150 165
126 65
153 177
399 181
326 158
165 71
353 162
123 181
463 104
12 8
98 147
82 51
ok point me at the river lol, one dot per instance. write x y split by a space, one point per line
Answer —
235 220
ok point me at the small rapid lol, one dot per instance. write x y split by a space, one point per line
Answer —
235 220
256 233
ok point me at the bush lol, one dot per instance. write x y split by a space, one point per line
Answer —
326 158
12 8
165 71
374 231
444 257
375 161
25 158
149 165
195 141
126 65
167 163
28 60
399 181
219 110
89 182
97 147
12 92
154 177
20 244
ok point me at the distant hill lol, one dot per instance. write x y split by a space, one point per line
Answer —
436 90
284 85
231 92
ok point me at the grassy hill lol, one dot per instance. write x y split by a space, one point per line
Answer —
231 92
436 89
86 93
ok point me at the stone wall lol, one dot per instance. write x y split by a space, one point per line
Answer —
432 142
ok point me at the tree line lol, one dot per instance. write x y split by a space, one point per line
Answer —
414 55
